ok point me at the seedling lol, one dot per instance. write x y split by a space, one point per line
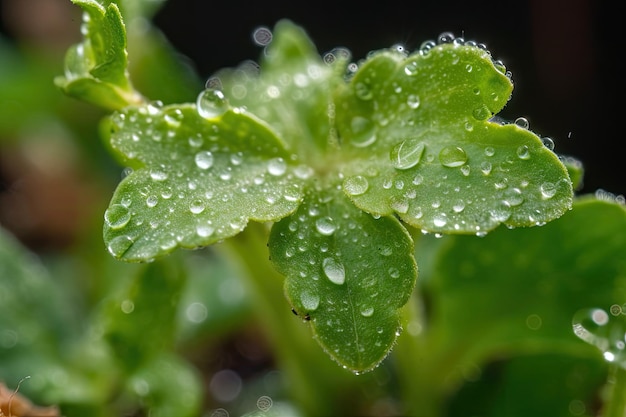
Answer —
348 169
340 155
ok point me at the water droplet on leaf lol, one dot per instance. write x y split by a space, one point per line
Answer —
119 245
325 226
363 91
596 327
548 143
158 175
407 154
117 216
204 159
334 271
363 130
276 166
367 311
523 152
204 230
211 103
452 156
481 113
356 185
197 206
309 301
548 190
152 201
513 197
522 122
413 101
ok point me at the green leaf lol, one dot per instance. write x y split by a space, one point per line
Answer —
291 91
197 181
517 291
139 323
348 274
168 386
547 385
421 144
96 69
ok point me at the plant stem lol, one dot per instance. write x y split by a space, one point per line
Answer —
313 379
419 378
616 404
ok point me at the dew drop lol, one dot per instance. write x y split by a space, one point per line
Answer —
452 156
119 245
276 166
407 154
513 197
523 152
485 167
410 68
262 36
197 206
440 220
522 122
204 230
152 201
445 37
158 175
325 226
490 151
117 216
211 103
364 132
334 271
548 190
413 101
195 141
548 143
501 213
367 311
204 159
310 301
481 113
363 91
399 205
356 185
596 327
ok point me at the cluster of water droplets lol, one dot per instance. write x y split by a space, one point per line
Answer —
413 160
605 330
182 201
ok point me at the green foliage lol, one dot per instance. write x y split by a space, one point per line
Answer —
320 183
202 172
95 70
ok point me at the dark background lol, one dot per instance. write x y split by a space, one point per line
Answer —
564 55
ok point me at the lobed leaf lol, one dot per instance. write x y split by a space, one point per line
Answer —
538 278
348 274
291 90
421 144
197 181
96 69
